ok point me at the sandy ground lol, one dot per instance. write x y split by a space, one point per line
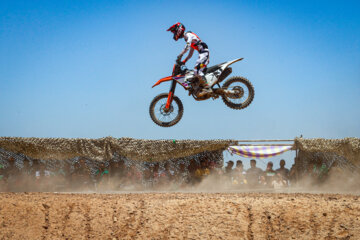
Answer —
179 216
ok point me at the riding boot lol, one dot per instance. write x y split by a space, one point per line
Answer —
203 82
205 87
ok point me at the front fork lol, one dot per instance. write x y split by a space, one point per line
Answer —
170 96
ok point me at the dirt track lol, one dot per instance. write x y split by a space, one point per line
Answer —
179 215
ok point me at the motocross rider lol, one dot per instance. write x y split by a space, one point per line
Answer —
193 42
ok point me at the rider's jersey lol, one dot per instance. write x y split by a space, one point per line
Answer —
193 41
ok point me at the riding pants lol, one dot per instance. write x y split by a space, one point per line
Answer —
202 62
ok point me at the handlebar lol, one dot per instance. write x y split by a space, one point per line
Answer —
180 67
178 62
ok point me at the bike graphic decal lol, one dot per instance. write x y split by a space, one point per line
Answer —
181 80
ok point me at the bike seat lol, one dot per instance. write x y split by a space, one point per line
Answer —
214 68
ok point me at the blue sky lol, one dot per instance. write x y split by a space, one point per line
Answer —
85 68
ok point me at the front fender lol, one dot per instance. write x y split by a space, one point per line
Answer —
165 79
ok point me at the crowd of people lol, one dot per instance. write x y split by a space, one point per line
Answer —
256 177
121 175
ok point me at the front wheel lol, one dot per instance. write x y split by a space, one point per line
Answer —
244 92
166 117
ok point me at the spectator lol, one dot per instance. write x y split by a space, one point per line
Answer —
239 174
293 174
168 174
118 174
239 164
62 176
165 176
228 168
283 171
181 175
3 185
12 175
322 172
203 171
228 176
212 167
80 177
103 176
279 182
134 177
253 174
218 170
156 174
147 179
269 174
118 170
26 176
193 166
42 177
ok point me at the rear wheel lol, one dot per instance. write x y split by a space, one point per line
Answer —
243 92
166 117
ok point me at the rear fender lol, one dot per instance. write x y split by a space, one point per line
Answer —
227 64
165 79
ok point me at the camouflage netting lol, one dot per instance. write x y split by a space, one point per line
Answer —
93 165
103 149
348 148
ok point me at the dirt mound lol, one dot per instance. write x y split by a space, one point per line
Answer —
179 215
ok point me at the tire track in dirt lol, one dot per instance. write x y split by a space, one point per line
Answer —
132 225
277 220
238 215
138 218
331 227
165 233
281 219
86 215
115 228
250 233
314 226
124 228
185 205
66 219
46 225
269 225
114 221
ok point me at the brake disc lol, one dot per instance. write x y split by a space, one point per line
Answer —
239 93
165 112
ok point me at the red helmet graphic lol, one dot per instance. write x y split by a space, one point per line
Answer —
178 30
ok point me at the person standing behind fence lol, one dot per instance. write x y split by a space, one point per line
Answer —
284 172
12 174
253 174
269 175
239 173
203 171
42 177
81 177
26 176
102 176
181 175
3 185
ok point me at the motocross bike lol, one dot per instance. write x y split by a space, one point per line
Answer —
166 109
